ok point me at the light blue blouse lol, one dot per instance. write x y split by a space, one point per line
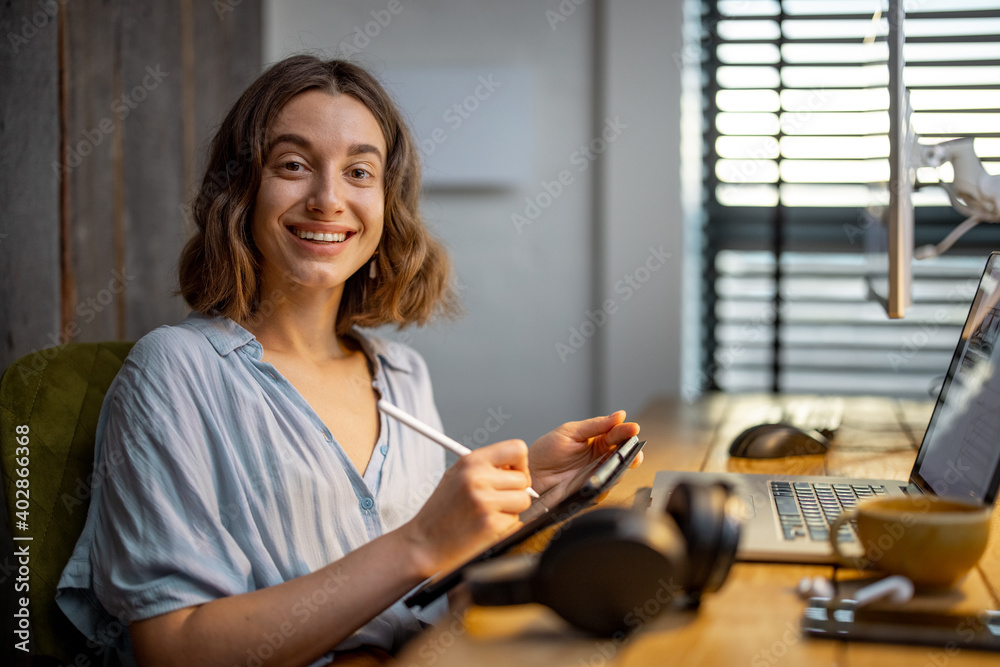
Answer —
214 477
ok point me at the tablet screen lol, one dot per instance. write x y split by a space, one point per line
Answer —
555 505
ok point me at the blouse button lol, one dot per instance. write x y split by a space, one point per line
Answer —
367 503
384 449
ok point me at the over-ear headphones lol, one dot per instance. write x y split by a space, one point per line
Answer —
609 570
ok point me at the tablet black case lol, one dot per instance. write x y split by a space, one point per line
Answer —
602 477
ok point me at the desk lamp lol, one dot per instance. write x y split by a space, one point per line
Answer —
973 192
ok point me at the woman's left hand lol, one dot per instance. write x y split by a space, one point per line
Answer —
559 454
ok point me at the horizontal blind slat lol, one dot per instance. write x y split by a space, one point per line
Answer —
821 76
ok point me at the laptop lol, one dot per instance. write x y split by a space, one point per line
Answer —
787 515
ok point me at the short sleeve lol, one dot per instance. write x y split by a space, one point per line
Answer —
155 540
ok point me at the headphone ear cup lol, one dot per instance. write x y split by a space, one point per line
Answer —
711 528
606 568
502 581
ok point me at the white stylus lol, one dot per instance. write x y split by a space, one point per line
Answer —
433 434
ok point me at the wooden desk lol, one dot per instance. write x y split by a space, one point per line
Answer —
754 619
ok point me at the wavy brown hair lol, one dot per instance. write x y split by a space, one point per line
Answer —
220 265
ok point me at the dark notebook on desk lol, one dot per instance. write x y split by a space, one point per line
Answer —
788 515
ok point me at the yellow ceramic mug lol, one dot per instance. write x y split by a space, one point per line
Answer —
931 540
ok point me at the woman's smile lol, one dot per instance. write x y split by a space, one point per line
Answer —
319 236
321 241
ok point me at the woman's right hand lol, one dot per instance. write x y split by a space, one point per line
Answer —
477 501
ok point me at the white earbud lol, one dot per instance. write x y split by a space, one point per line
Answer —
815 587
895 589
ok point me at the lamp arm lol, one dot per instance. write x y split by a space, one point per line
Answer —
973 192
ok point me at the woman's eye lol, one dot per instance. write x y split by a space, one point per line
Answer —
292 166
359 173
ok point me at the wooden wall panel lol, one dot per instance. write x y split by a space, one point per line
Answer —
152 163
94 256
29 187
93 137
226 61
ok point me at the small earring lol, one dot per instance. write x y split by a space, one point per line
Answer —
372 271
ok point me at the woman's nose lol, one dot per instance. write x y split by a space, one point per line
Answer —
326 196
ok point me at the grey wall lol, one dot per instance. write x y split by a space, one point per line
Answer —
526 291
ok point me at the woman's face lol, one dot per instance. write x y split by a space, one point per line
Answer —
318 214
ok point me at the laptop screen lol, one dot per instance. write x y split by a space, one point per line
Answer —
960 454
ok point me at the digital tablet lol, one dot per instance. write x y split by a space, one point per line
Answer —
554 506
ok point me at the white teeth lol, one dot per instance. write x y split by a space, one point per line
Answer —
319 236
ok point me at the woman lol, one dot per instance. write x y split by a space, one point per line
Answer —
256 508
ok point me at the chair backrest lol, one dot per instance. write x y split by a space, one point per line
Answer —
51 400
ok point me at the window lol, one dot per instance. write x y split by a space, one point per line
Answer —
796 159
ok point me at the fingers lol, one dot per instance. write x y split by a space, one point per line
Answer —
622 432
613 427
478 500
509 455
637 461
595 426
505 454
503 467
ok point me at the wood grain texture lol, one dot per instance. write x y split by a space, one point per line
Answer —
754 618
93 136
29 190
225 62
152 163
93 256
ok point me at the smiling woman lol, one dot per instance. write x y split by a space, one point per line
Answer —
218 269
258 509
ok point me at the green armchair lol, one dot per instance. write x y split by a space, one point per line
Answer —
51 399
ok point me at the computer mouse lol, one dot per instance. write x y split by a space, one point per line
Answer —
772 441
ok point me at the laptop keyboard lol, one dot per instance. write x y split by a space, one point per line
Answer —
807 509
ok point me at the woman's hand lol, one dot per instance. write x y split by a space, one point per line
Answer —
559 454
477 502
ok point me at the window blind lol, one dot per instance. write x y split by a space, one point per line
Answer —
796 163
